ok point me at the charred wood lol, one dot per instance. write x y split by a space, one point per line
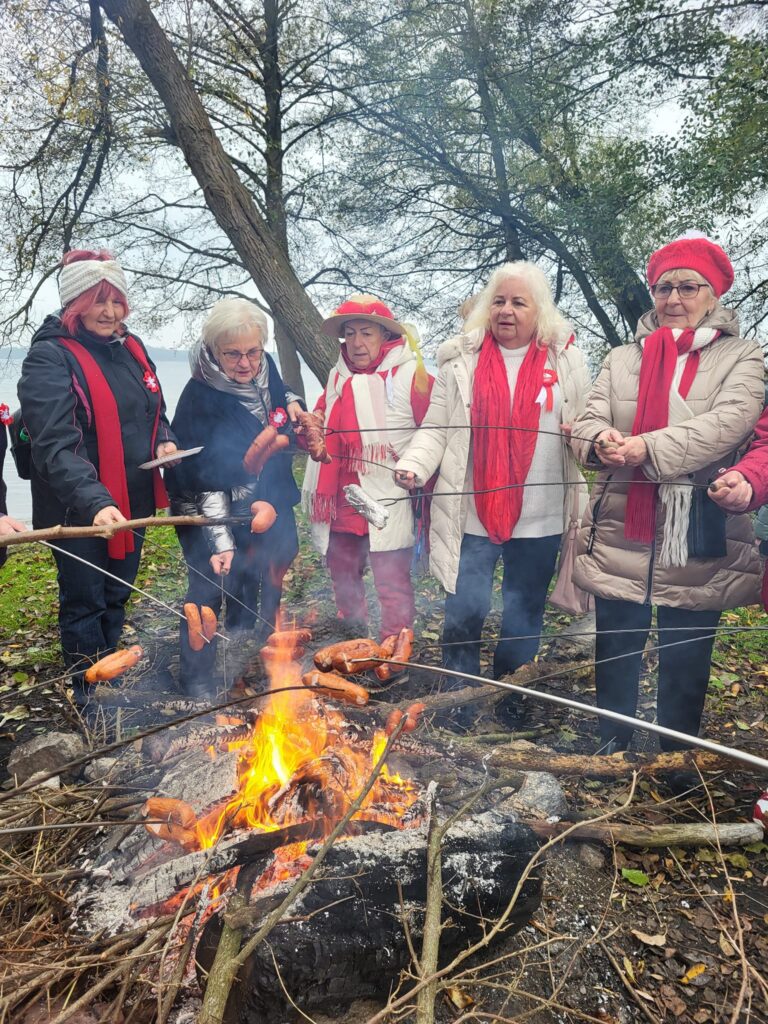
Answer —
346 939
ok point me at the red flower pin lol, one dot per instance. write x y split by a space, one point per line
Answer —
6 418
150 381
278 417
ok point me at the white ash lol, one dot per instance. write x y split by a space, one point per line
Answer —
202 782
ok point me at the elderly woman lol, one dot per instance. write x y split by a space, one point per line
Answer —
664 415
235 392
507 387
92 406
375 398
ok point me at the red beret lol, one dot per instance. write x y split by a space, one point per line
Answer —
699 254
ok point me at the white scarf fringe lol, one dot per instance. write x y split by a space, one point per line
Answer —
676 502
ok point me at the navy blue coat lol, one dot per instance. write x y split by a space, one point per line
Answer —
225 428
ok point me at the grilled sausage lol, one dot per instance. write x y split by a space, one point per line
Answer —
328 684
209 622
194 627
289 637
113 665
383 671
393 720
264 516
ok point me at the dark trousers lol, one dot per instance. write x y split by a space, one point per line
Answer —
528 567
347 557
252 589
683 667
92 605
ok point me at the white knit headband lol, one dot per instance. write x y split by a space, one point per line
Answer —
76 278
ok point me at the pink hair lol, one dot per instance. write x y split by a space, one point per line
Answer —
71 317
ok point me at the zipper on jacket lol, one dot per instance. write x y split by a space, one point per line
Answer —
595 515
649 581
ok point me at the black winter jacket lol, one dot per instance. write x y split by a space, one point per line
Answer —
57 412
222 424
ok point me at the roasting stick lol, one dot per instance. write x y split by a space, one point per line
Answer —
70 532
659 730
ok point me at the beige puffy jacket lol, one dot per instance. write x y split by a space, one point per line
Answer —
726 398
448 445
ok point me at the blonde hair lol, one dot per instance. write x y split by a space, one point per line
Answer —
550 324
230 317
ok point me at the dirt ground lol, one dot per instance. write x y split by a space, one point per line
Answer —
622 935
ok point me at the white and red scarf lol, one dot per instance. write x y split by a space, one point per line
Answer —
502 457
355 406
665 381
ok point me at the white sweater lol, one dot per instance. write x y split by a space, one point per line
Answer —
542 511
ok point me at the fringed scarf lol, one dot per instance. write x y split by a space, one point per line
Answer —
658 402
354 401
502 458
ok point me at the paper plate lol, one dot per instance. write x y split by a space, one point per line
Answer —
172 457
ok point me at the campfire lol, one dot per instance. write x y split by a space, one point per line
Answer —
299 762
246 806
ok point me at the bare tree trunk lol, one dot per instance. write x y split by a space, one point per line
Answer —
225 195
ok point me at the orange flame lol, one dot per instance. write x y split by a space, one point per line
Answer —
295 765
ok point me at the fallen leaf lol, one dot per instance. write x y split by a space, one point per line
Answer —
692 972
726 946
458 997
650 940
634 876
628 968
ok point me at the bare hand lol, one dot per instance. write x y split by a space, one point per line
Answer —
293 410
108 516
606 447
222 562
732 492
566 428
10 525
405 479
634 450
167 448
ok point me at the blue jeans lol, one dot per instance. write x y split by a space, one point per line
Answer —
528 567
91 605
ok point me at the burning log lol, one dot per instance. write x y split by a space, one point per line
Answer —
346 939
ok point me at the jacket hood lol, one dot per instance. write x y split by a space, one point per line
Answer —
720 319
469 344
49 329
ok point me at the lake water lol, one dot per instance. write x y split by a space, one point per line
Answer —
173 374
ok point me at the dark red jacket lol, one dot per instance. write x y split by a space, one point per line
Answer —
754 465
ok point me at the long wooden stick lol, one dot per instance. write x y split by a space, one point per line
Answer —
699 833
68 532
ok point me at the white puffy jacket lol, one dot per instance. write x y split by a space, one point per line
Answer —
448 446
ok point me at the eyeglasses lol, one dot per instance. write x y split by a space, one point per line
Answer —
252 355
687 290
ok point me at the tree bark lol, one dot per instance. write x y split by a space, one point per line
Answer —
225 195
699 833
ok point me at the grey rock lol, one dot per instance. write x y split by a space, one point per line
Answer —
101 768
592 856
45 753
540 796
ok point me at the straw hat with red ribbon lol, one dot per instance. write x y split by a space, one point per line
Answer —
361 307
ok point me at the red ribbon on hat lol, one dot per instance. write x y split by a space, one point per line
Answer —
6 417
376 307
548 381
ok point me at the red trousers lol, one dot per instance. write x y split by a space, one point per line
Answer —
346 560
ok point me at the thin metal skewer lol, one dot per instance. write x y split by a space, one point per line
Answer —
636 723
138 590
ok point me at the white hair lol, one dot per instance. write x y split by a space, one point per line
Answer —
230 317
551 326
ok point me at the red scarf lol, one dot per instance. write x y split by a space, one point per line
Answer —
657 371
502 458
109 437
345 445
